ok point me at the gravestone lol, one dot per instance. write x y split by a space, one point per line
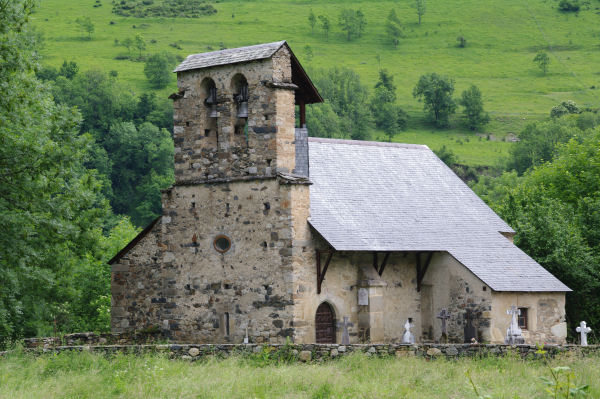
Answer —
345 334
443 316
513 333
470 330
408 337
363 296
584 330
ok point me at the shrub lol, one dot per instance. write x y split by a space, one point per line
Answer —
569 5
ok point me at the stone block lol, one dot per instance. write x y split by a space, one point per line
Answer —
305 356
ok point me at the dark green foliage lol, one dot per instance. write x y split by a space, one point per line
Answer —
436 93
352 22
52 212
163 8
472 102
347 98
420 7
447 156
325 25
388 116
569 5
68 69
312 20
393 28
158 69
462 42
538 141
565 108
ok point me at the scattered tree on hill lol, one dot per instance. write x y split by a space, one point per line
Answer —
139 43
420 6
462 42
324 23
68 69
312 20
447 156
565 108
86 25
569 5
393 28
472 102
127 43
542 60
352 22
158 69
388 116
436 93
308 53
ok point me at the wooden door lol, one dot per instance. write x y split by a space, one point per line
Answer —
325 324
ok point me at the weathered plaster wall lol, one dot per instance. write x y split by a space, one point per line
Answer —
216 148
448 284
546 316
178 282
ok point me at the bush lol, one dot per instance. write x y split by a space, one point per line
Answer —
569 5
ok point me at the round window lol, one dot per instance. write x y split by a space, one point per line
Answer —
222 243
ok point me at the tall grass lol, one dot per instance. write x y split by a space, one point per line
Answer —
87 375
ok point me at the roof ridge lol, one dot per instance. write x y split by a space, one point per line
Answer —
230 50
369 143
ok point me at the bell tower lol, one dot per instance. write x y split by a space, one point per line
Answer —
234 113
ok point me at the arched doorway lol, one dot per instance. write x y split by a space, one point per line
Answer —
325 324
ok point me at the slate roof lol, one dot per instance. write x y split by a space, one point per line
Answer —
230 56
370 196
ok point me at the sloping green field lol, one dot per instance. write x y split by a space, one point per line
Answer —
502 40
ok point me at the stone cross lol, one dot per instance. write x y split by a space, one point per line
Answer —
513 333
408 337
443 316
584 330
345 333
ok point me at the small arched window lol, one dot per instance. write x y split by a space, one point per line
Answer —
209 93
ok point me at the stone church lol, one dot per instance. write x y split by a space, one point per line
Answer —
268 233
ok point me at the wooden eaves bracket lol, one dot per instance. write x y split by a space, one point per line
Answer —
422 269
379 269
321 273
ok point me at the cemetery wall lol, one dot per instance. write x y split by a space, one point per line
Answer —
300 352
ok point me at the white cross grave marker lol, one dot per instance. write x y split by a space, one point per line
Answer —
345 333
444 315
408 337
513 333
584 330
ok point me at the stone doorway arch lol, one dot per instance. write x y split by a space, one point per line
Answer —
325 324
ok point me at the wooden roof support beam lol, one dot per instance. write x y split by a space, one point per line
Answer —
422 269
321 273
379 269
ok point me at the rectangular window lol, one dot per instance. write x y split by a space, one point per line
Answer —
523 322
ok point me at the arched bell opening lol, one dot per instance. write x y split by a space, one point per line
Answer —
239 88
209 113
325 324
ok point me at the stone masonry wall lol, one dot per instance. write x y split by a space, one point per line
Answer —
216 148
174 279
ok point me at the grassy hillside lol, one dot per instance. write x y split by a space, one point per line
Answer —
502 40
86 375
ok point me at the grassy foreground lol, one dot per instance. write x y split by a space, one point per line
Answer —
86 375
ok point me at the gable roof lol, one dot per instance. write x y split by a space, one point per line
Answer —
371 196
307 94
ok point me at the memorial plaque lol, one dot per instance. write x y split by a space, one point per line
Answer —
363 296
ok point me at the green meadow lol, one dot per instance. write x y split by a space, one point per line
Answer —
86 375
502 40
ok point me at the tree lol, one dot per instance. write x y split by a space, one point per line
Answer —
352 22
473 108
436 93
393 28
542 60
158 69
86 25
308 53
565 108
324 22
68 69
420 6
127 43
312 20
388 116
139 43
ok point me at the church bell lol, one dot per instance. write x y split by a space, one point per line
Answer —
212 102
242 100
